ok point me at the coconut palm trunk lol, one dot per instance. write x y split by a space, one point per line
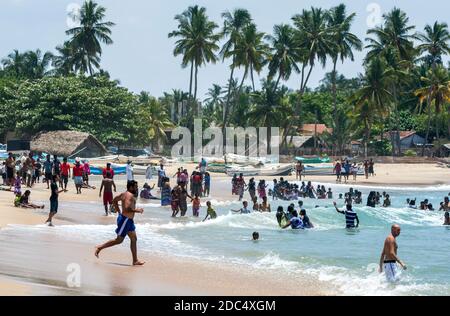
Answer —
336 120
251 75
227 104
191 80
195 89
428 125
243 78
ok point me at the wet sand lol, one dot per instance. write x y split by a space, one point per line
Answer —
37 266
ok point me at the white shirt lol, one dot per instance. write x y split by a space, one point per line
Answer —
149 173
129 170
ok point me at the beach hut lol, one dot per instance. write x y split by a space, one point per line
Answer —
68 144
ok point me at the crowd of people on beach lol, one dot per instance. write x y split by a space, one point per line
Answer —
27 171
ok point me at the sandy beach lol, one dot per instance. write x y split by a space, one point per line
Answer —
38 266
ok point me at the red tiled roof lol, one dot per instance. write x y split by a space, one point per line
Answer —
311 128
403 134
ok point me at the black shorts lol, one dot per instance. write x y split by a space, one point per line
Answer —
65 179
10 173
53 206
48 176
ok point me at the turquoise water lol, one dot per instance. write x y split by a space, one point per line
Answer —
349 261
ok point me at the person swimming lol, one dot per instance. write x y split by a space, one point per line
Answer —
295 222
350 216
306 222
446 219
210 212
255 236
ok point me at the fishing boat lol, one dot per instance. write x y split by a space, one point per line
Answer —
264 170
313 160
324 170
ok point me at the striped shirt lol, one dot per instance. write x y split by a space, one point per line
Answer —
350 218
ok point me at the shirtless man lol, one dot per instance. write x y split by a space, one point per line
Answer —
389 257
108 184
125 223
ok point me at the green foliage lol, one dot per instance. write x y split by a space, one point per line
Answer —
410 153
382 148
93 105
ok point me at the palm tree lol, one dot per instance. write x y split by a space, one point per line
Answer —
251 52
197 41
36 64
285 53
314 34
394 33
155 115
374 94
214 104
31 64
436 89
345 43
234 23
435 42
394 42
64 61
365 114
14 62
270 107
87 38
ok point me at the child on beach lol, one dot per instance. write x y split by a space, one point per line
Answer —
210 212
17 199
18 184
196 206
25 201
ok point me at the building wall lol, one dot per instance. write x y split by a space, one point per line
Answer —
411 141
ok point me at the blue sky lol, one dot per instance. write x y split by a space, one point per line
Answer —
141 56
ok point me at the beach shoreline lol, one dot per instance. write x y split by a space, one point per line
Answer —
162 275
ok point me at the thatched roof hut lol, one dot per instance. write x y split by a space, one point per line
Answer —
68 144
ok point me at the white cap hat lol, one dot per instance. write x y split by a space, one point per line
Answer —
77 159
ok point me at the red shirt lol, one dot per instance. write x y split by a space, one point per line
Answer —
78 171
110 170
197 179
65 169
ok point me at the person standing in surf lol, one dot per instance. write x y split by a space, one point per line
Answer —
125 222
54 199
389 258
350 216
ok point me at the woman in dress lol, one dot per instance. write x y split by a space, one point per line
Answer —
262 189
252 188
174 203
183 195
165 193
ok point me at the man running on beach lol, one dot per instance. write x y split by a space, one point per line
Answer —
125 221
389 256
